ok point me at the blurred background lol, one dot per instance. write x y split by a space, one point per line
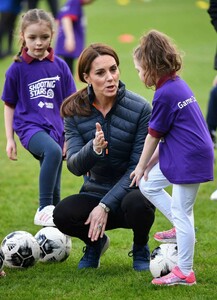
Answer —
119 23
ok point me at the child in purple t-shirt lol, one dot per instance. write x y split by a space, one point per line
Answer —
71 31
178 150
35 86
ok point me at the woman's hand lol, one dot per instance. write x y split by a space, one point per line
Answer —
99 143
97 220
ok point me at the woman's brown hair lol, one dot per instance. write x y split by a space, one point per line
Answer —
79 103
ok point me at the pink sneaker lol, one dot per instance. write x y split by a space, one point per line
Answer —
175 277
168 236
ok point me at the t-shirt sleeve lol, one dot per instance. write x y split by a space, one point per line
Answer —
70 10
162 117
10 88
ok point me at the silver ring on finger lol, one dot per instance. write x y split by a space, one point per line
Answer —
99 227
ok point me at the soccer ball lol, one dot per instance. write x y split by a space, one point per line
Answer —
163 259
55 246
2 260
20 249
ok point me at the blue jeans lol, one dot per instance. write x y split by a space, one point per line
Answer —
49 154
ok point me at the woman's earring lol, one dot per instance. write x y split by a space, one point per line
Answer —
89 88
90 92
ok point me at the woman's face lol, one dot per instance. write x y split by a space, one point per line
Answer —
104 77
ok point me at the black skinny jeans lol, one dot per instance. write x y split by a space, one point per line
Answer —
135 213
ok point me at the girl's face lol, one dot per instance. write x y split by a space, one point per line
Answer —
104 77
37 37
141 72
139 69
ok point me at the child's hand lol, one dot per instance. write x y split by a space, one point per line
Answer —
11 149
69 44
136 175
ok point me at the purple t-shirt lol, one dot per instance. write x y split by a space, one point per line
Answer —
37 90
74 10
186 151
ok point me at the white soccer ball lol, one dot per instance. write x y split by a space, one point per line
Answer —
20 249
2 260
55 246
163 259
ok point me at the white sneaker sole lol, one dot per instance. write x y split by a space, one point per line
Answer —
172 241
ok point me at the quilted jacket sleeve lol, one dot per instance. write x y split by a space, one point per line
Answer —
80 156
113 198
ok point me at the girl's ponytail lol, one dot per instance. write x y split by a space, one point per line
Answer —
16 57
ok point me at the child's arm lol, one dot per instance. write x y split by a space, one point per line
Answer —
146 159
152 162
11 147
69 43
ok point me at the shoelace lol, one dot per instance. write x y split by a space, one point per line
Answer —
88 251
